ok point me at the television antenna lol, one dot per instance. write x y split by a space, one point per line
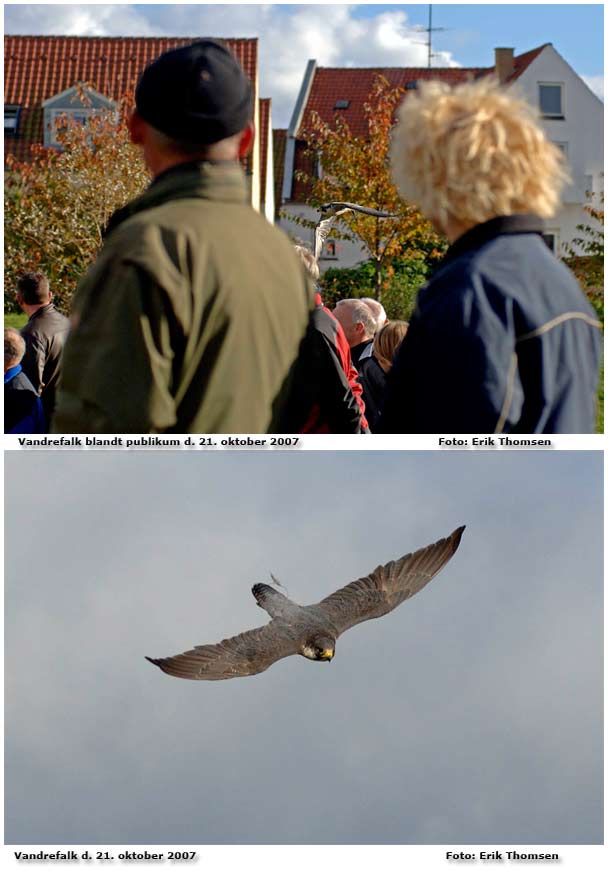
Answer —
429 30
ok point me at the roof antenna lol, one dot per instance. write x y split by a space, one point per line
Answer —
429 30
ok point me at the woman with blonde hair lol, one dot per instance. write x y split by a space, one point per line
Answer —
374 369
502 338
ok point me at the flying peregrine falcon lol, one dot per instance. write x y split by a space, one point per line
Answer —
329 212
312 631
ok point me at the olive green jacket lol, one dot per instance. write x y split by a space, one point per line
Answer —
190 319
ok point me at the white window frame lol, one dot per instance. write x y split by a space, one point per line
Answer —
55 114
325 254
560 116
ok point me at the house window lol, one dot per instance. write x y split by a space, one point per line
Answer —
550 99
329 252
57 121
342 104
411 86
551 239
11 120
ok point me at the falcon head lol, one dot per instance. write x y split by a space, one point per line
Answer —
319 648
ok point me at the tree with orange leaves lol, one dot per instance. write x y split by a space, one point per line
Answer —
356 169
58 203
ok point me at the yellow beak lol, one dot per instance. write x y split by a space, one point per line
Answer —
327 654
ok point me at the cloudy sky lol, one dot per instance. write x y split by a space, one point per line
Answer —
472 714
340 35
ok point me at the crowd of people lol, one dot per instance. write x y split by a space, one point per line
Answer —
198 316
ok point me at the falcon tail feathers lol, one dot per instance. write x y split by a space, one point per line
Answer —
270 599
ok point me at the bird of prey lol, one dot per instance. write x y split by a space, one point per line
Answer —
312 631
332 211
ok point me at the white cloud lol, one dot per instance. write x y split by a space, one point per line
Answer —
596 83
333 35
82 20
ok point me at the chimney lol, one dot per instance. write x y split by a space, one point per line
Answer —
505 64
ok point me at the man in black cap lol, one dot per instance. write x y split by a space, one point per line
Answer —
190 320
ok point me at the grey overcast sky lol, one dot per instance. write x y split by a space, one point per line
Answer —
470 715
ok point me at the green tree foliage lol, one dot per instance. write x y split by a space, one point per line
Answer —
356 169
403 280
57 204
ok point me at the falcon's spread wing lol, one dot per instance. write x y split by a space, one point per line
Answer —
333 210
388 586
355 207
246 654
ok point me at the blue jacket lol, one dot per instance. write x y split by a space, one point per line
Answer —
503 340
23 412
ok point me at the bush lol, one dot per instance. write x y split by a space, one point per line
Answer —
58 202
399 291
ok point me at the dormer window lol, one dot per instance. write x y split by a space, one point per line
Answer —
342 104
57 121
11 120
79 103
411 86
550 100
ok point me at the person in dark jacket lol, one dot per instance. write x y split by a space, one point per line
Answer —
23 412
502 339
45 335
374 369
326 395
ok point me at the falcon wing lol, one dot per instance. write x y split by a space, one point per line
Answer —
388 586
246 654
333 210
355 207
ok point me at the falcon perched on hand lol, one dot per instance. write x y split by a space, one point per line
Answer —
331 211
312 631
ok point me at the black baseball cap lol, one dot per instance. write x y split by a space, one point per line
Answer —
198 93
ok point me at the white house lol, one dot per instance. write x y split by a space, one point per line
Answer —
573 118
571 114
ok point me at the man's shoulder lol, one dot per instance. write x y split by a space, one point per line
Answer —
149 237
46 322
189 218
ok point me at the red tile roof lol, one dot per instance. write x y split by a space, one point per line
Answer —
331 84
264 117
39 67
524 60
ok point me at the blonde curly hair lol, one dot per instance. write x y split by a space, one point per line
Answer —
473 152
